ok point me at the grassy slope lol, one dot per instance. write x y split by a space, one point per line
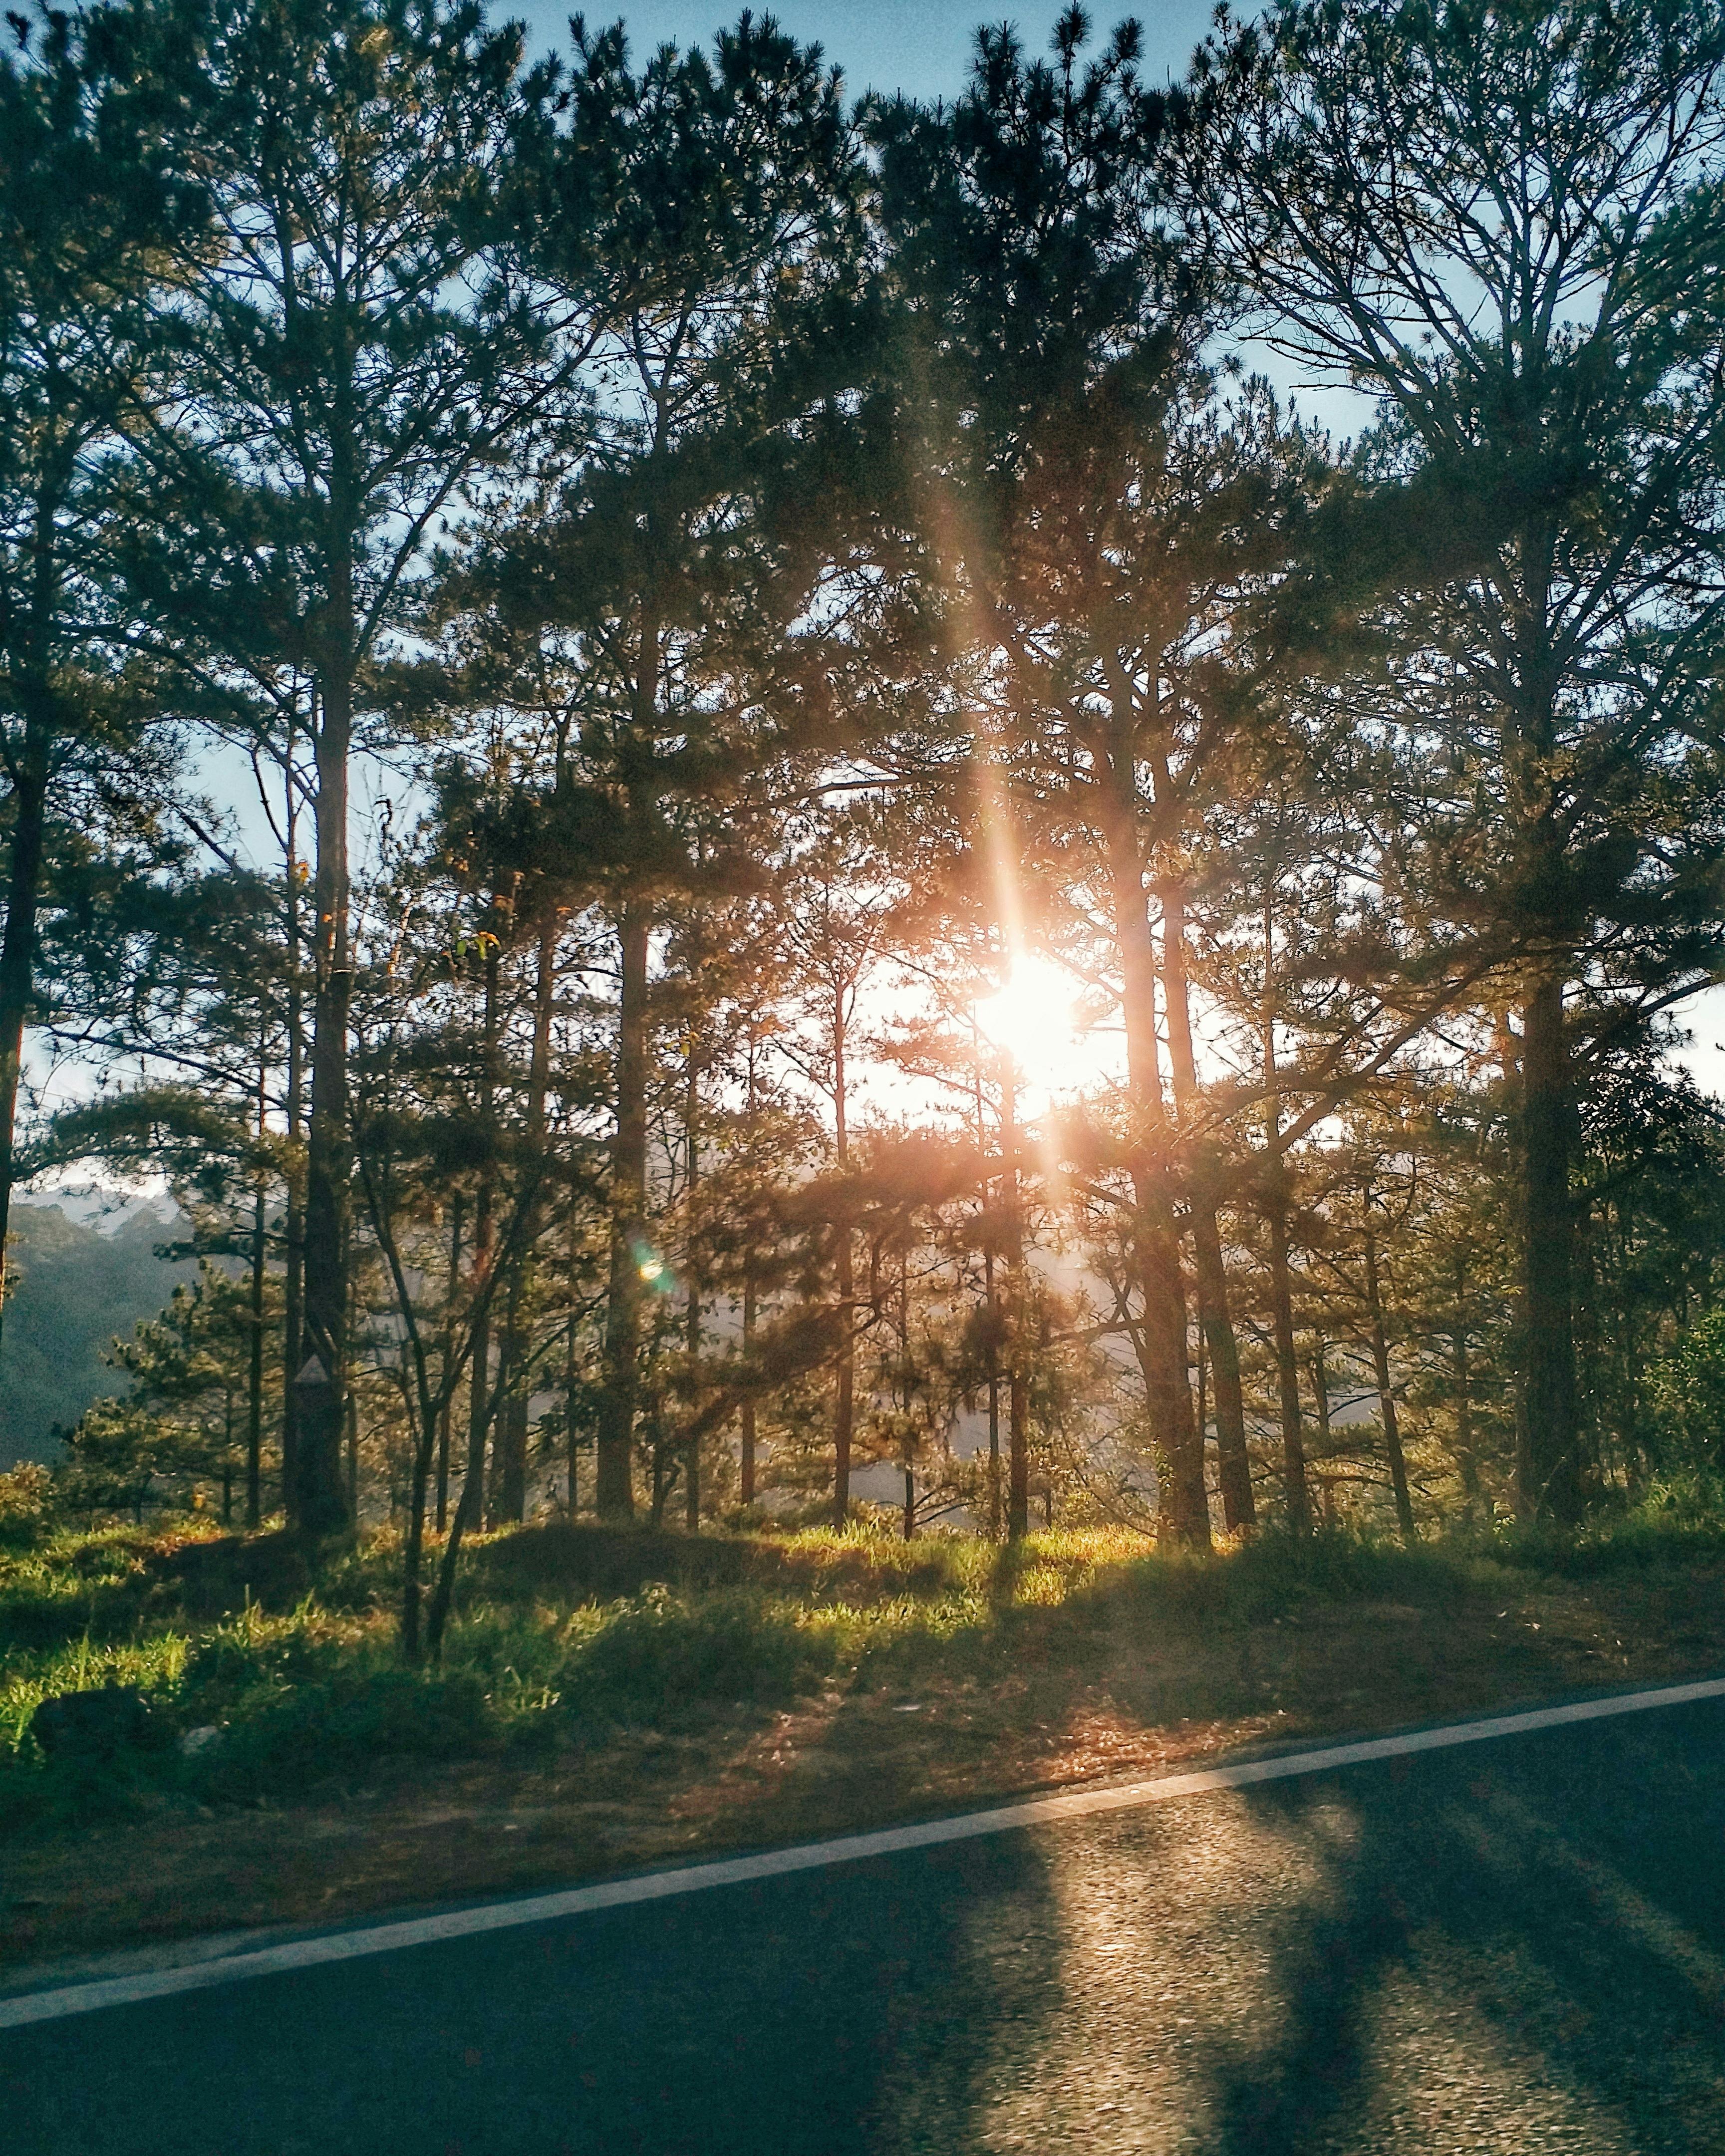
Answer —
609 1700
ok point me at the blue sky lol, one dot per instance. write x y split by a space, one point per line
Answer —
919 46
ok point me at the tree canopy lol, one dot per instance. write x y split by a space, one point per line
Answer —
756 828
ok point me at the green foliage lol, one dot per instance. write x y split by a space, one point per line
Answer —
1689 1388
25 1504
316 1690
313 1693
660 1651
180 1433
671 453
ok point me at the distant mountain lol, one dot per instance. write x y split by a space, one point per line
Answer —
74 1289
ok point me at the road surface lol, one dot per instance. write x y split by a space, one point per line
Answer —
1513 1946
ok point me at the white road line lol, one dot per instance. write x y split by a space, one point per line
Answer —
845 1849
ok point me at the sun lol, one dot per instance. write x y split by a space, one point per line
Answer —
1032 1016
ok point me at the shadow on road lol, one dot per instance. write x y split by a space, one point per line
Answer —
1519 1947
738 2023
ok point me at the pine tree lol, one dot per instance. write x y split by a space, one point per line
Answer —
90 199
706 211
1505 228
367 356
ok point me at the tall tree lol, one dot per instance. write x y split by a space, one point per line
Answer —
706 210
365 355
1504 224
1085 523
90 199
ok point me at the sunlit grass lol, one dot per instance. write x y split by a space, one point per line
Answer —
540 1649
830 1605
154 1664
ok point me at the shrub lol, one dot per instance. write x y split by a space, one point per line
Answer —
26 1505
1689 1390
660 1651
334 1727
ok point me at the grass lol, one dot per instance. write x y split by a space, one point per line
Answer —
536 1650
611 1698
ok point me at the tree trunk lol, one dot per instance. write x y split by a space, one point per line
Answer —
17 952
480 1388
748 1439
511 1503
446 1410
470 1502
413 1555
509 1454
1018 1457
1232 1460
1386 1394
845 1409
691 1463
991 1301
1018 1397
614 1492
323 1506
1466 1461
1320 1401
995 1520
1287 1366
571 1377
746 1463
1549 1469
1297 1497
254 1372
293 1323
1163 1354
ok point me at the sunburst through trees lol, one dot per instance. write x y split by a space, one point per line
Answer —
868 873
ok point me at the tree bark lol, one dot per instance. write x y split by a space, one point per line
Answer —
511 1503
747 1464
1287 1366
615 1491
446 1411
470 1503
995 1517
17 948
691 1462
1018 1397
254 1371
293 1321
1232 1460
1297 1497
323 1504
1161 1342
1320 1401
1548 1467
1386 1393
480 1394
1466 1461
845 1405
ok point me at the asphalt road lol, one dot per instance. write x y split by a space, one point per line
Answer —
1518 1946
